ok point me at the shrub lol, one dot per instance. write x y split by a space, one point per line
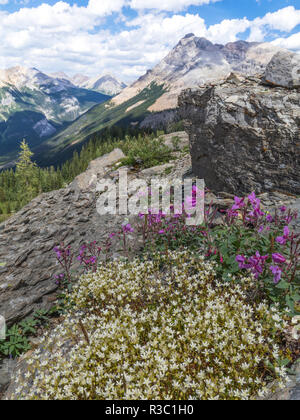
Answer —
146 152
160 329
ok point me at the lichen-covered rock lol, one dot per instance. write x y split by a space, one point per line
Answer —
244 136
284 70
28 238
291 392
7 367
97 168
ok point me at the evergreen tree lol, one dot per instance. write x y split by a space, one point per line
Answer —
26 174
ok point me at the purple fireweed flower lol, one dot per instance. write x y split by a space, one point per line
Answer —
269 218
278 258
254 200
261 229
277 271
282 240
283 209
58 252
257 212
239 203
127 228
162 232
255 263
242 261
231 213
288 219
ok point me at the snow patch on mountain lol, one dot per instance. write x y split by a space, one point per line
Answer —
7 101
71 107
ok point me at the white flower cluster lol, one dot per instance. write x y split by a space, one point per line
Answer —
163 329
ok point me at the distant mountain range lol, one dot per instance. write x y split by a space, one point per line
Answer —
191 63
34 106
106 84
153 97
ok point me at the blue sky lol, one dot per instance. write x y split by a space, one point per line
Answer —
126 37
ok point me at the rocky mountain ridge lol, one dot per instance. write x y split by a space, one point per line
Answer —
106 84
196 61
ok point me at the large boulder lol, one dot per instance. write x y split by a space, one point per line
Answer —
27 240
244 136
284 70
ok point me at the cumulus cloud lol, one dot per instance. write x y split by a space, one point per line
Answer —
169 5
292 42
284 20
64 37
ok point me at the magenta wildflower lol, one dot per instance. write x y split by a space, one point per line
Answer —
254 200
239 203
232 213
242 261
282 240
257 212
255 263
269 218
58 252
278 258
277 271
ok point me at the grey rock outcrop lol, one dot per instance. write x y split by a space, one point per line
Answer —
27 240
244 136
284 70
7 367
96 169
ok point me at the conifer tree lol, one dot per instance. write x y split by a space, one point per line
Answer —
26 174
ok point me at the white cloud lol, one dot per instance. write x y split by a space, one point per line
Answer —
227 30
169 5
284 20
67 38
292 42
105 7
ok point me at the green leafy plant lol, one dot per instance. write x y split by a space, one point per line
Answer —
147 153
15 344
